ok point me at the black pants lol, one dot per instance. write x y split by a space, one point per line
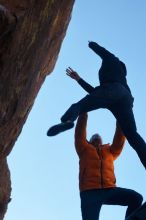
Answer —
119 101
92 200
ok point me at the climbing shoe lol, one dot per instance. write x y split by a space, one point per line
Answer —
56 129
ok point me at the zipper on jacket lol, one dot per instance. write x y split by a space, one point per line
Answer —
100 156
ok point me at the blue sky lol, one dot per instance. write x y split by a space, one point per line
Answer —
44 171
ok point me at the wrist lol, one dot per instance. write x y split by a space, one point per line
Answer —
78 78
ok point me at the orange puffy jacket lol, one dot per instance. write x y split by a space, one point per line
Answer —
96 166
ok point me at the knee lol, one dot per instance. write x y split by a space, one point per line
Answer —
71 114
138 199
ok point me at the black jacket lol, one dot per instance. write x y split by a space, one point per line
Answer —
112 69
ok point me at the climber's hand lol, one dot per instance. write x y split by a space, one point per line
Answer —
73 74
92 44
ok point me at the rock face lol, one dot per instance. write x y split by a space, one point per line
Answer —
30 40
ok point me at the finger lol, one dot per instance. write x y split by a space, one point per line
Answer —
68 74
71 69
68 71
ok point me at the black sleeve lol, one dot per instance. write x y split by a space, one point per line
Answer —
87 87
100 51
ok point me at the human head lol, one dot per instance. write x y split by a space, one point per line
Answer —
96 140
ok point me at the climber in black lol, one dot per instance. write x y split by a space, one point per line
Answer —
113 94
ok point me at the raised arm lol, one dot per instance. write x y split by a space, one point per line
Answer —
80 133
101 51
118 142
74 75
86 86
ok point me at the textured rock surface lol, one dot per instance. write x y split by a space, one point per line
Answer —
27 54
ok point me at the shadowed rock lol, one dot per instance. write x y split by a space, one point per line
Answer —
31 33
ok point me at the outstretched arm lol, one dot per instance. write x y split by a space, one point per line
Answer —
80 133
74 75
118 142
101 51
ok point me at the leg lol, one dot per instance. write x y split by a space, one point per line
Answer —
90 207
89 103
139 213
90 211
102 97
124 197
125 117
